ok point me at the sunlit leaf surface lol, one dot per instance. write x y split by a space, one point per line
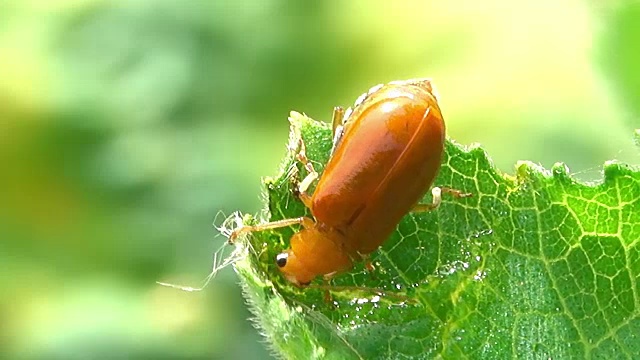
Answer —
534 266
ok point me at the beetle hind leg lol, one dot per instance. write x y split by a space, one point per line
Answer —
436 192
455 193
368 264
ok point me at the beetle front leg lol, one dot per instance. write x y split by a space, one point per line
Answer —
304 221
312 174
300 188
436 192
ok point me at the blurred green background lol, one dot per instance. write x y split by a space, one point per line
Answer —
126 126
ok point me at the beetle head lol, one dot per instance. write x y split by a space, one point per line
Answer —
312 254
293 269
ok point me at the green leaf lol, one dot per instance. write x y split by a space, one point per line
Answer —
535 266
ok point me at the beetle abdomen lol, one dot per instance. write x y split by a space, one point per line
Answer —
408 180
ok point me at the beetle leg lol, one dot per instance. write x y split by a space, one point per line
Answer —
436 192
368 264
327 288
302 187
304 221
336 119
329 276
455 193
303 196
327 285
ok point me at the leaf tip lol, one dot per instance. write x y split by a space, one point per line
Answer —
296 120
296 117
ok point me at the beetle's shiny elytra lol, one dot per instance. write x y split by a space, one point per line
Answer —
386 154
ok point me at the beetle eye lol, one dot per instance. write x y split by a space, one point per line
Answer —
281 259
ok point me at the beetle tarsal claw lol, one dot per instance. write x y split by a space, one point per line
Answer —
455 193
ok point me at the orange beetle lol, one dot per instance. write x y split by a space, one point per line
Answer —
386 154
